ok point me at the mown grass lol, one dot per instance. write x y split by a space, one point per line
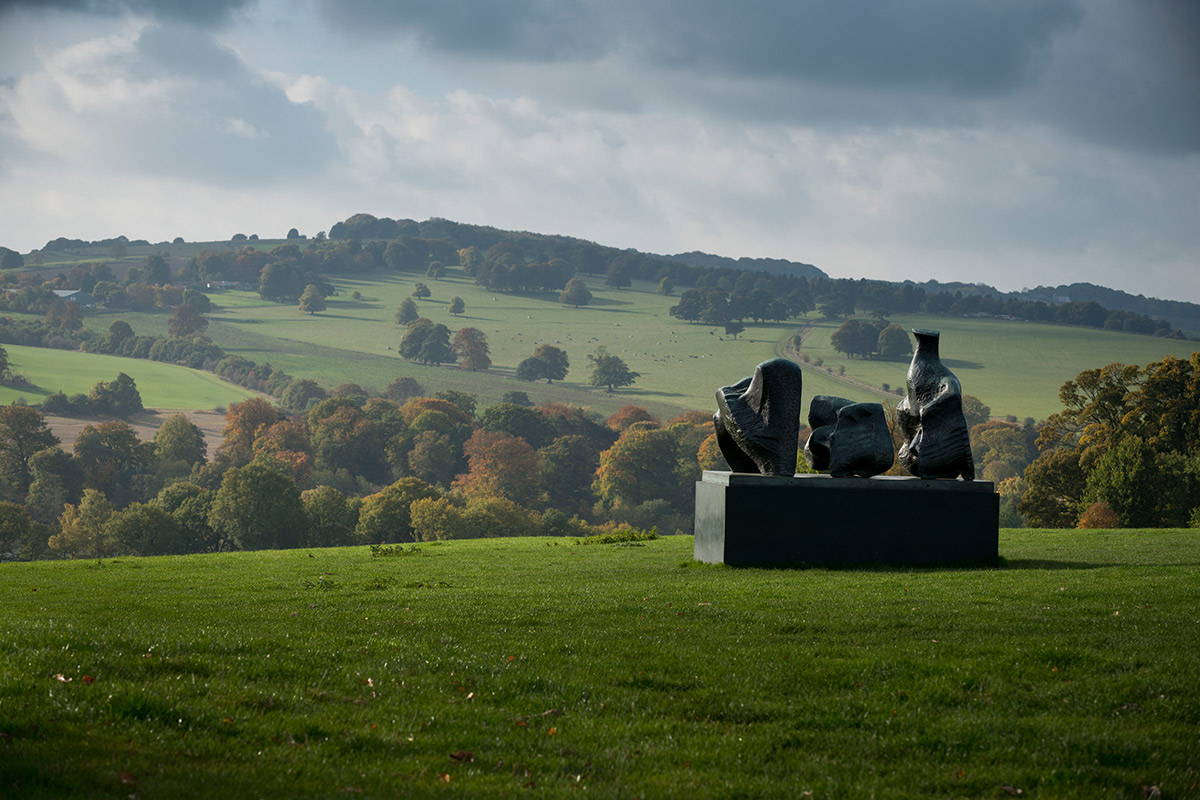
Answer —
496 668
160 385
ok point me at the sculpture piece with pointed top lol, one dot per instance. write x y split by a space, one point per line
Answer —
758 419
936 442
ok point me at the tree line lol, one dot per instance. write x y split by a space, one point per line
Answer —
350 470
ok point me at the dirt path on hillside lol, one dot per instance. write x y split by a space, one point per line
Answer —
146 423
784 349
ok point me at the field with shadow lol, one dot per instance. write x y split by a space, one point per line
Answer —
491 668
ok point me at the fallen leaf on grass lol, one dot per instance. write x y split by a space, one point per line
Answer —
87 680
444 777
58 676
552 732
522 723
227 720
465 756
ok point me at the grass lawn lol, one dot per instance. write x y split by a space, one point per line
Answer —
161 385
499 667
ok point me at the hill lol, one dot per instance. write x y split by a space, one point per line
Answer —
776 266
490 668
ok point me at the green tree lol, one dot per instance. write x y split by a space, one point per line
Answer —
974 410
610 371
547 362
179 440
734 328
575 293
855 338
302 393
186 321
144 529
189 506
312 301
119 397
407 312
257 507
5 366
522 421
16 528
344 437
421 291
157 271
384 516
293 233
568 466
666 286
330 517
471 347
893 343
1146 489
1054 485
23 432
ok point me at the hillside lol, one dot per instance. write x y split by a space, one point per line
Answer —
491 668
164 386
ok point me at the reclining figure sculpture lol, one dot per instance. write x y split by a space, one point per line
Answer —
758 419
848 439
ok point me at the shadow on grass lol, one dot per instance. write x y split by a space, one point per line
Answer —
1047 564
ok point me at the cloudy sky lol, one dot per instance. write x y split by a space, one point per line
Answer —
1014 142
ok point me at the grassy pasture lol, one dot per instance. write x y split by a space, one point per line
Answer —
1014 367
161 385
504 667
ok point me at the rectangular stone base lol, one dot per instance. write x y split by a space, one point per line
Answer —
817 520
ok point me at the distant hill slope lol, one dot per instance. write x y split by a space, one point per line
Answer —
775 266
1181 314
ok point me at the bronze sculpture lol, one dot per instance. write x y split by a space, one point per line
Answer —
758 419
936 442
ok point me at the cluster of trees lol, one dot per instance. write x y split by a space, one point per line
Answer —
116 398
1124 451
351 469
750 297
151 286
874 337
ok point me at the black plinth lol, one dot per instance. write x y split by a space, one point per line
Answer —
767 521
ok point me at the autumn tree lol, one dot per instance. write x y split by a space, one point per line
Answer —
575 293
500 464
23 432
625 416
343 437
257 507
457 306
244 421
471 347
407 312
83 529
649 464
311 300
610 371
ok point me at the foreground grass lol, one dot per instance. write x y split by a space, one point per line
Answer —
161 385
499 667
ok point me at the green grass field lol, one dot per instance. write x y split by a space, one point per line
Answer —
1014 367
161 385
503 667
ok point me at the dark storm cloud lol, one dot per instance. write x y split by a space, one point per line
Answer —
198 12
1118 73
955 46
